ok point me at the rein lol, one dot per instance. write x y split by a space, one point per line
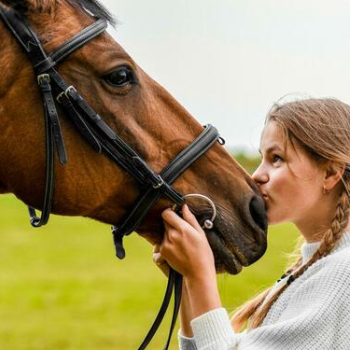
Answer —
103 139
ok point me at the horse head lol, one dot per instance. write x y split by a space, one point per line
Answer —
141 112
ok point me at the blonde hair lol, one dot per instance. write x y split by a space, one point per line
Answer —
321 127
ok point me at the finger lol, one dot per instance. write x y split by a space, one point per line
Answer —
167 226
167 232
190 218
158 259
171 235
172 218
156 248
164 268
161 263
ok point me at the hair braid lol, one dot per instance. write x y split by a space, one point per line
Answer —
332 235
321 127
247 310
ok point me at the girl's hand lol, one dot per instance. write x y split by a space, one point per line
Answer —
159 260
185 246
186 249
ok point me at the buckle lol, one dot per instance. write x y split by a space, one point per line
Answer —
66 93
69 88
160 183
58 98
41 77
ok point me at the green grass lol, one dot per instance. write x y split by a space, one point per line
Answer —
62 288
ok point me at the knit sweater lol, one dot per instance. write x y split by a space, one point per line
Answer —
312 313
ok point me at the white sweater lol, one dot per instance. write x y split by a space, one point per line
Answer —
313 313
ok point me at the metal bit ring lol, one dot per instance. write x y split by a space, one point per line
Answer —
208 223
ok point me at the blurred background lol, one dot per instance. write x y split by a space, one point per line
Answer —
227 62
62 288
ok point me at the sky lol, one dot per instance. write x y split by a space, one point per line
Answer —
228 61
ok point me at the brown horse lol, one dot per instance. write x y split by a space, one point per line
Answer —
145 115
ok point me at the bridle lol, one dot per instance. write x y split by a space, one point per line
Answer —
103 139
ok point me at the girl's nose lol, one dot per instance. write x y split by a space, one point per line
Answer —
260 176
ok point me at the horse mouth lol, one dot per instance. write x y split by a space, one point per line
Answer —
231 257
227 257
234 245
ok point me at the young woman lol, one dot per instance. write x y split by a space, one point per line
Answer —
305 179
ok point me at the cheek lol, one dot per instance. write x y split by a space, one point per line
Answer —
282 186
286 187
291 198
280 192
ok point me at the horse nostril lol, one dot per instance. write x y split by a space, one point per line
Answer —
258 213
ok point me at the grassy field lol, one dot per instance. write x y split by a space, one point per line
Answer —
61 288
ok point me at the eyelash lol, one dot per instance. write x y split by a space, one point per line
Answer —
274 156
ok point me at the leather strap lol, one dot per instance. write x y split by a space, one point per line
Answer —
49 183
51 111
174 279
177 303
169 174
26 37
79 40
80 124
30 42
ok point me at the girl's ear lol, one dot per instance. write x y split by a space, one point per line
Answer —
334 173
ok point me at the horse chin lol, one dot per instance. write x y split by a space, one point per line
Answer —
226 259
231 257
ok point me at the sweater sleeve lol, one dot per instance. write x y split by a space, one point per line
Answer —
313 315
211 327
186 343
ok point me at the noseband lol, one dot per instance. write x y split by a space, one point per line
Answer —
103 139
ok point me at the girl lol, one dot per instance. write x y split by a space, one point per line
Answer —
305 179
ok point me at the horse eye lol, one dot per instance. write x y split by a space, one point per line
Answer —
120 77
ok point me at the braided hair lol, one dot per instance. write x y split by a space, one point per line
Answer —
322 128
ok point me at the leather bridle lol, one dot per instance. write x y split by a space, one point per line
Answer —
102 139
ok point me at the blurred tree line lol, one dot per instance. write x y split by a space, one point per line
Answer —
248 161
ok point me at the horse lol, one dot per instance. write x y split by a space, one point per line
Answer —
141 112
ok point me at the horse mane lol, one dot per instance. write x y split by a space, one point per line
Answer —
93 7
